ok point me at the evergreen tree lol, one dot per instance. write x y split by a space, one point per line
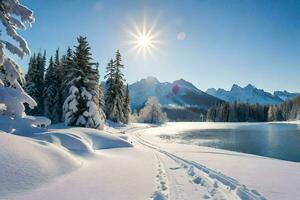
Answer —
35 82
109 95
41 74
239 112
59 77
51 91
126 108
30 86
32 61
288 110
81 107
117 109
211 114
97 90
101 96
67 66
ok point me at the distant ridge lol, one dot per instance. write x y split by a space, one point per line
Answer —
251 94
285 95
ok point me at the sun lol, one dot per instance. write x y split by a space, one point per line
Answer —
143 39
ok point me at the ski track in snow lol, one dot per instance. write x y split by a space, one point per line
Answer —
208 183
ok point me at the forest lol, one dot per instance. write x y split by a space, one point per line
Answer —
68 89
245 112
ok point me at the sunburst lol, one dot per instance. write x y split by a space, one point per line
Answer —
144 39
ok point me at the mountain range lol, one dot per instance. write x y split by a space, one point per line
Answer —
251 94
182 101
285 95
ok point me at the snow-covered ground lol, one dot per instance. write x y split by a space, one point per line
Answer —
271 178
133 163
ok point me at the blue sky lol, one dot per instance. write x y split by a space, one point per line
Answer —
232 41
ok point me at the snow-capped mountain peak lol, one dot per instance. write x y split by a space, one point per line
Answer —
247 94
149 80
179 92
285 95
250 87
233 88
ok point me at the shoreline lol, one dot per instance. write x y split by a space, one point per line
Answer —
266 175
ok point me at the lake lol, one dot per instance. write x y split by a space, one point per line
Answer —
275 140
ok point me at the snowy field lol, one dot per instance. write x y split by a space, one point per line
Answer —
134 163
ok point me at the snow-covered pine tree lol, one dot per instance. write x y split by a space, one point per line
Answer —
51 91
117 114
134 117
13 15
109 95
81 108
126 108
152 112
35 82
97 90
100 94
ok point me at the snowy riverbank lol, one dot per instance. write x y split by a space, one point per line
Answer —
272 178
80 163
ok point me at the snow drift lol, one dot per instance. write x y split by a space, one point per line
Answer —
26 163
82 140
31 156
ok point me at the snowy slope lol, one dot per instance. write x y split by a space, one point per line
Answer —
249 94
26 163
31 157
180 93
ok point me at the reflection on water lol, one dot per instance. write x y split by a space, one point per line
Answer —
280 141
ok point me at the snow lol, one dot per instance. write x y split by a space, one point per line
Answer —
249 94
39 121
92 117
131 162
11 24
10 73
14 99
152 112
70 106
271 178
185 94
40 157
26 163
103 177
2 107
85 94
285 95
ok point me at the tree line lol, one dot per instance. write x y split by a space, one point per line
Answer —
68 90
244 112
288 110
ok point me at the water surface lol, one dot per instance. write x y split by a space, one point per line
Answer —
275 140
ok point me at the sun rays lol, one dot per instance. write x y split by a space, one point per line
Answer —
143 38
